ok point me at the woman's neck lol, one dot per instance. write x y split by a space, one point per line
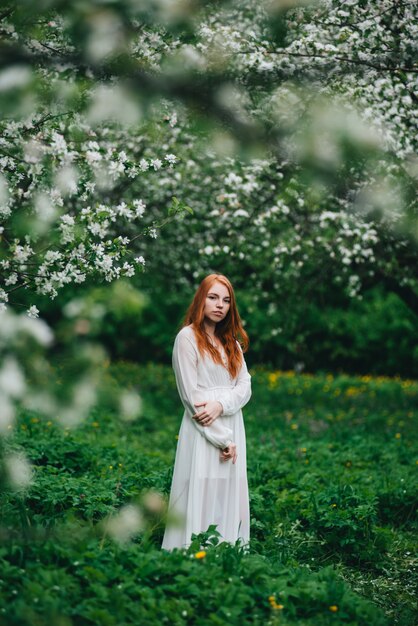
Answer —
210 329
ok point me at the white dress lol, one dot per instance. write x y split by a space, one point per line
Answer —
204 489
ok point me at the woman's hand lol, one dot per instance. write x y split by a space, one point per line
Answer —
206 416
229 453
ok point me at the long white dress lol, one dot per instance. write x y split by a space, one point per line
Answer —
204 489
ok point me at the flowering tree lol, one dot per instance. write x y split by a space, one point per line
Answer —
293 83
67 179
333 83
68 156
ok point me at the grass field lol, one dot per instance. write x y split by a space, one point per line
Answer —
332 465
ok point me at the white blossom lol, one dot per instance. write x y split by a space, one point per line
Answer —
156 163
33 312
19 470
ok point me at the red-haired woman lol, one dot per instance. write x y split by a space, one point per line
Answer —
209 483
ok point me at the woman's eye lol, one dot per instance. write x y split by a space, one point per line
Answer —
213 298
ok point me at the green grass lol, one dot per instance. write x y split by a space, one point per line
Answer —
332 472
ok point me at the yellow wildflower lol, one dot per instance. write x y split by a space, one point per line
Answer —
274 605
200 555
333 608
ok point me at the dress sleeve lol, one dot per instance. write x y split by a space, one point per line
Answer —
235 399
185 370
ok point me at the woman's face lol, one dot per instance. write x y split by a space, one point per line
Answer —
217 302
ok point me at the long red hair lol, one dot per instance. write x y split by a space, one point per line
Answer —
228 330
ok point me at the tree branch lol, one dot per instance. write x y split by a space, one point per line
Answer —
6 13
344 59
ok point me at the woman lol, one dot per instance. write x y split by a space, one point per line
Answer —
209 483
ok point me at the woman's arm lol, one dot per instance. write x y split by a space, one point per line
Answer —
185 369
235 399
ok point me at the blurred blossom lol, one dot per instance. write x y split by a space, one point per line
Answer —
325 148
191 58
84 398
14 325
73 308
223 144
15 76
327 129
276 6
169 11
113 104
106 36
66 180
38 329
93 353
411 166
7 413
217 53
154 502
125 524
41 402
19 471
4 192
12 380
82 327
130 405
361 131
383 197
33 151
86 308
45 211
287 104
186 58
229 97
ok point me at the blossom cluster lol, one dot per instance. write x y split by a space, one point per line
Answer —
69 192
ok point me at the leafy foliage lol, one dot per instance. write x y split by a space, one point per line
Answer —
331 470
